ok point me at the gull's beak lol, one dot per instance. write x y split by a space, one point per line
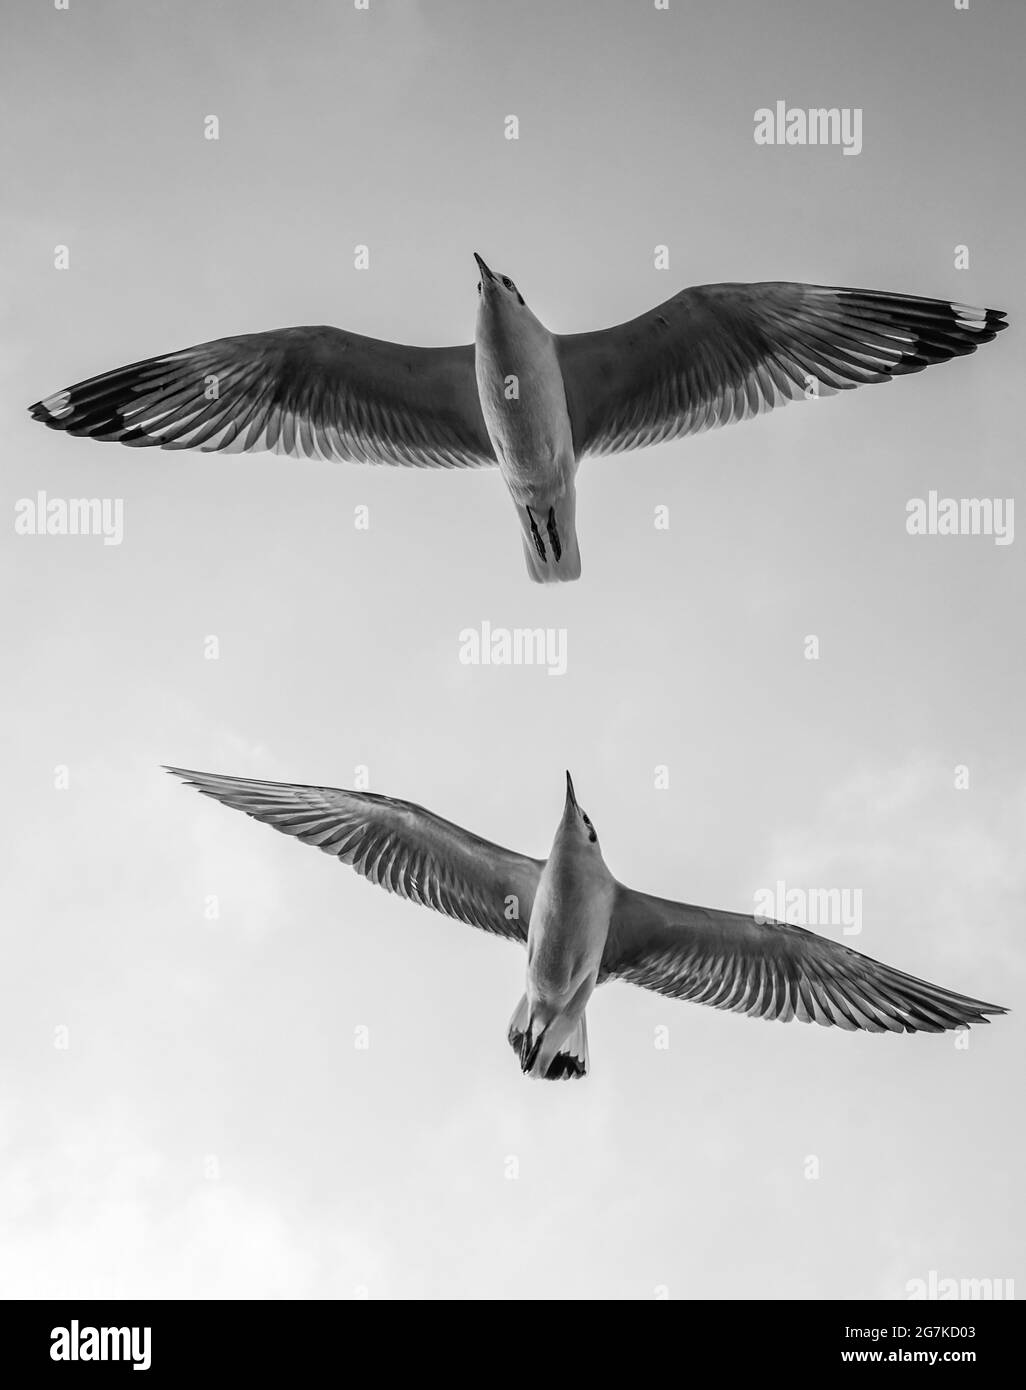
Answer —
486 274
571 799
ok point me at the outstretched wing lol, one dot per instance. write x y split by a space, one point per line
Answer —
308 392
718 353
399 846
771 970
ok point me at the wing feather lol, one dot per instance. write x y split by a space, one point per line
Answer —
772 970
395 844
312 392
715 354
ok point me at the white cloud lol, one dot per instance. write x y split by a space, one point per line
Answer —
103 1214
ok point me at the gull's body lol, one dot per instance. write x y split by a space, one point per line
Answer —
581 927
530 401
566 940
520 385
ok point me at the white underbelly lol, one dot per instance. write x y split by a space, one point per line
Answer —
565 943
531 437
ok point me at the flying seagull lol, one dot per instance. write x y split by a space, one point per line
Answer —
581 927
531 401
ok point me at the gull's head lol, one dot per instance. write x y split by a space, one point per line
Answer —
576 824
496 294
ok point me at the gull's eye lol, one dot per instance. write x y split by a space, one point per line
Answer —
479 286
507 282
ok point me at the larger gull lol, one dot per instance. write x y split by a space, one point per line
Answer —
533 402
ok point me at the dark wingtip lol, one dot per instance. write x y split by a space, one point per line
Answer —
184 774
996 1009
994 320
39 411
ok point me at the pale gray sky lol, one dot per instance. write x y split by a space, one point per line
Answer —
210 1129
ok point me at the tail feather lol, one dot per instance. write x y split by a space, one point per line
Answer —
551 551
569 1062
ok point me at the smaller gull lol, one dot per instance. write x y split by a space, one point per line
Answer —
581 927
530 401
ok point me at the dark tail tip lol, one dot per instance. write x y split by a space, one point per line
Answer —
564 1067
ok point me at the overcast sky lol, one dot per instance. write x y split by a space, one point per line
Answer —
210 1128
